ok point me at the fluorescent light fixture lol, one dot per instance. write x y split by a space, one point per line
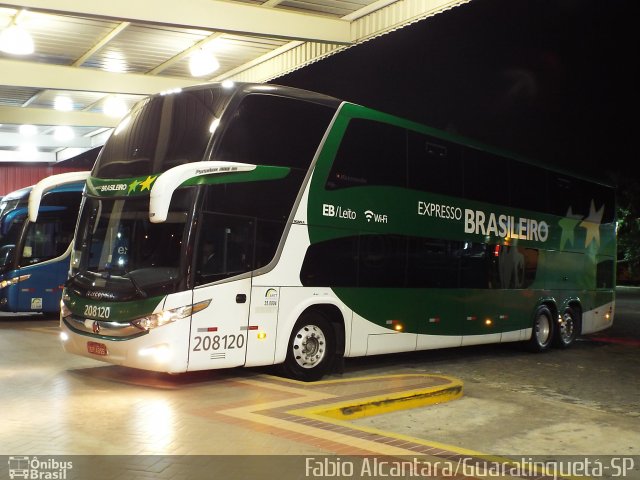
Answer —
63 103
28 130
115 107
27 150
63 133
16 40
115 65
203 62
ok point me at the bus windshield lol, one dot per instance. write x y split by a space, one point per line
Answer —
117 243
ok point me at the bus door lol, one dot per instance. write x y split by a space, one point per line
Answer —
222 267
42 262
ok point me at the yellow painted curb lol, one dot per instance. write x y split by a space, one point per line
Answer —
378 404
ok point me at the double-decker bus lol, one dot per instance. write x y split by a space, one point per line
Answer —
257 224
35 249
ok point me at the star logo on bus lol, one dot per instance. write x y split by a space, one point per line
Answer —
133 185
592 225
568 225
146 185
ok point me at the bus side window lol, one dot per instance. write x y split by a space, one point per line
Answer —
382 261
535 196
486 177
331 263
370 153
434 165
225 248
264 124
432 263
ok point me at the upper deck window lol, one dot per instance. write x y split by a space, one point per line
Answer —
161 133
274 130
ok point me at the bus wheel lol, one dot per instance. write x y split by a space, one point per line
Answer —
311 348
568 329
542 332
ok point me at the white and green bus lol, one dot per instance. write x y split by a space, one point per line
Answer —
255 225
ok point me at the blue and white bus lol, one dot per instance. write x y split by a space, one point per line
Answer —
34 253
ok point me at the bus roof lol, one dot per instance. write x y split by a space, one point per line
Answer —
267 88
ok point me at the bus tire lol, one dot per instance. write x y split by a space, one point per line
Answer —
311 348
542 330
568 329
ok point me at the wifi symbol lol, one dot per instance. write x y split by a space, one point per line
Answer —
368 214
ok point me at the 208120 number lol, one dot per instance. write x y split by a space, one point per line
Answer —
217 342
96 311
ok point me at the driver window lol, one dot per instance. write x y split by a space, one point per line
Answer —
46 239
225 247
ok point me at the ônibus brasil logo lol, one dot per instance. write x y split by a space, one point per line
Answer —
37 469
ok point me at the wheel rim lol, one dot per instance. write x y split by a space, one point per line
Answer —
309 346
567 328
543 330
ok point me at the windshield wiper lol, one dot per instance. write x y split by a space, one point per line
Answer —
71 279
139 290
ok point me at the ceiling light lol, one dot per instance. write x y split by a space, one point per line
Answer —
28 130
115 62
63 133
203 62
63 103
27 150
115 107
227 84
16 41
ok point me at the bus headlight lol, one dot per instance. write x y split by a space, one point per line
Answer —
13 281
159 319
64 310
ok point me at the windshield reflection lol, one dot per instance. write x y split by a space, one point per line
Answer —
116 240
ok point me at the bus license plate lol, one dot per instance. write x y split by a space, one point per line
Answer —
97 348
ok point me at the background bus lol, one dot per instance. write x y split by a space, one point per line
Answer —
258 225
34 256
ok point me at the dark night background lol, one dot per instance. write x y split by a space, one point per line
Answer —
551 80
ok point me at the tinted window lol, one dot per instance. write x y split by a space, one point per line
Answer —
414 262
382 261
116 236
266 204
48 238
371 153
580 195
476 265
486 177
528 187
161 133
432 263
269 199
271 130
567 192
331 263
225 248
434 165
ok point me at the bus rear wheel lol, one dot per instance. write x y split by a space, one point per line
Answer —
542 331
568 329
311 348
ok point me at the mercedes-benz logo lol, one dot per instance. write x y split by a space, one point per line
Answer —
95 327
